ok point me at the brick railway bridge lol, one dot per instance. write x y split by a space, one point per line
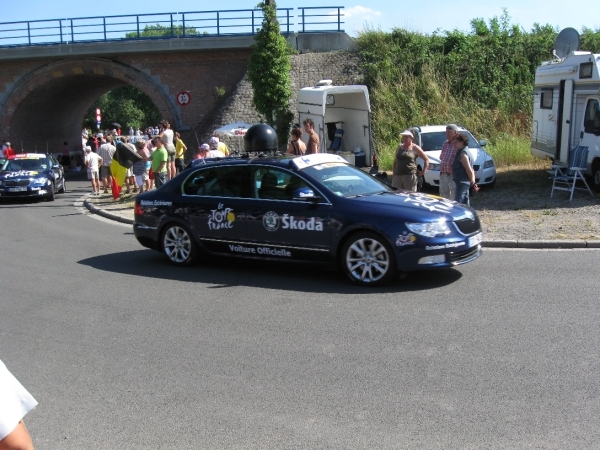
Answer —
45 90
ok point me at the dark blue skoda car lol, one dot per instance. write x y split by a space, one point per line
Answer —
309 208
31 175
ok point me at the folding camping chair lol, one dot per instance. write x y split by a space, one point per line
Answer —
336 143
566 176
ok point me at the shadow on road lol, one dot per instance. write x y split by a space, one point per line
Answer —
225 272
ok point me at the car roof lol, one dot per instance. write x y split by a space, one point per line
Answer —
435 128
28 156
289 161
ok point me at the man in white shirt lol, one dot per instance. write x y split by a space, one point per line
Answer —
93 161
106 152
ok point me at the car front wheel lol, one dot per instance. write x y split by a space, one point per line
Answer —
50 196
368 259
178 245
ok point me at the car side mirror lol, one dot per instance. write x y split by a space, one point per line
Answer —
483 142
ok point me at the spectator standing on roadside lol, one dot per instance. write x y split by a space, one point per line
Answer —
15 402
160 158
140 168
405 164
92 142
180 150
216 144
3 147
296 146
130 181
313 144
8 150
167 137
447 185
462 170
106 152
93 161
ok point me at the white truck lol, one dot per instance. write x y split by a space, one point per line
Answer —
342 118
566 104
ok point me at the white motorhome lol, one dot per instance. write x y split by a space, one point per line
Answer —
342 118
566 104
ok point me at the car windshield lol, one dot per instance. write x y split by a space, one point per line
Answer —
14 165
434 140
344 180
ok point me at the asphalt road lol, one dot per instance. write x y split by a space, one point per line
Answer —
123 351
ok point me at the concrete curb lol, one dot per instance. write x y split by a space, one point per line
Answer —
509 243
101 212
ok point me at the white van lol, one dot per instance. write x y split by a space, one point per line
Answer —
566 104
342 118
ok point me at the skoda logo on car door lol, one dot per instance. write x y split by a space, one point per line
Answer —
271 221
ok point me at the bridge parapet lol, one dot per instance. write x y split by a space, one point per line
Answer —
186 25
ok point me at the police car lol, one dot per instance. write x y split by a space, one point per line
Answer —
31 175
309 208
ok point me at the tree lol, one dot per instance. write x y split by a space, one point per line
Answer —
126 105
159 30
269 72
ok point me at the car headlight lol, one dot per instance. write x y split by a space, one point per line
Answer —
489 163
40 181
431 229
434 166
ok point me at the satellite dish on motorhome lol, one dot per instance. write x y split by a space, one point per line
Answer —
566 42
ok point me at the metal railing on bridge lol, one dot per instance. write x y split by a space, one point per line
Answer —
196 24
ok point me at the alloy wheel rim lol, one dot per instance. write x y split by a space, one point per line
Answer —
368 260
177 244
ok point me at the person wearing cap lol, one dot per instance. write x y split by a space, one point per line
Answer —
93 161
216 144
405 174
447 184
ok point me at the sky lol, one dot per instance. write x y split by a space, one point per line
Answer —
425 16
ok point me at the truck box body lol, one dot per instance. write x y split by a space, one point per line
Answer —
347 107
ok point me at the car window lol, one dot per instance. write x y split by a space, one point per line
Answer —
435 140
272 183
224 181
26 164
344 180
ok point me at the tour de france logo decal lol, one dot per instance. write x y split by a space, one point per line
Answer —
271 221
221 218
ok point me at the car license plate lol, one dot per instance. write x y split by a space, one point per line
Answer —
17 189
474 240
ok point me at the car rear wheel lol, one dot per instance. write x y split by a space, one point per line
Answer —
368 259
63 187
178 245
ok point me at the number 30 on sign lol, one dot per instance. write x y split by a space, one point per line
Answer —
183 98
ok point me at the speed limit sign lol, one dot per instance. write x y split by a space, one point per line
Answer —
183 98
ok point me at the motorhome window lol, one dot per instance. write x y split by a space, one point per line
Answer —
546 98
592 117
585 70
